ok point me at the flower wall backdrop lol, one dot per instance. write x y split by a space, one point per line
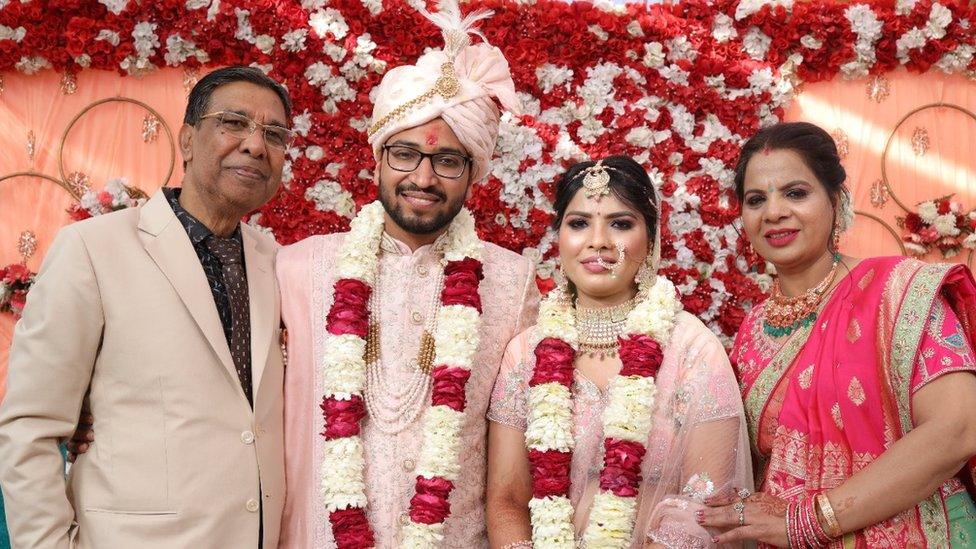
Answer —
678 87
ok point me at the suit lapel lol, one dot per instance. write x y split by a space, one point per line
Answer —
259 260
169 246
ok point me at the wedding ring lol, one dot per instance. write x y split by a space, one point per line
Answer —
740 508
744 493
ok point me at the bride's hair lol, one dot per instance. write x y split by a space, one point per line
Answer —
628 182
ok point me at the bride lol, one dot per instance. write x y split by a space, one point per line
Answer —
617 415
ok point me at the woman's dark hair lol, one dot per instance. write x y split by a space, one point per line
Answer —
815 146
628 182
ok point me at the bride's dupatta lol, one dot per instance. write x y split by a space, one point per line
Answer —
831 398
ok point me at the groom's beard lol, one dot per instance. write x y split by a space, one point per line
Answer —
415 224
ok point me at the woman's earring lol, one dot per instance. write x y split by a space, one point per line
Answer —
835 241
644 275
562 281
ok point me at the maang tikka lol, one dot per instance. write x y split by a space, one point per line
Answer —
596 180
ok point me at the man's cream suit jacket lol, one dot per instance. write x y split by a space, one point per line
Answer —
122 312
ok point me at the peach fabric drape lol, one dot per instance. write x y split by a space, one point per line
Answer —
946 167
106 142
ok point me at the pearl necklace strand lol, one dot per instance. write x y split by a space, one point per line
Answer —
392 411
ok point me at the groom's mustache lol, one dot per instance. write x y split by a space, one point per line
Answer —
412 187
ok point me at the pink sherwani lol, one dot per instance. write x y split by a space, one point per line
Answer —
306 273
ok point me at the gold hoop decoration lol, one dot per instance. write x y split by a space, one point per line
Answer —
169 133
59 182
891 231
891 138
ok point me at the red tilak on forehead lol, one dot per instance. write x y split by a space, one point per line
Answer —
431 138
766 151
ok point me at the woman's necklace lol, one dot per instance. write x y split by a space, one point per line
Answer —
600 328
784 315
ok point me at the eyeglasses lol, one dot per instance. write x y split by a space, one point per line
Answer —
407 159
242 127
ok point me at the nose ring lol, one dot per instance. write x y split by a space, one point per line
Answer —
615 268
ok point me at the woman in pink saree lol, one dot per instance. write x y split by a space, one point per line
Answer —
858 389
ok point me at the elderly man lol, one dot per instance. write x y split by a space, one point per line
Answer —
165 317
399 458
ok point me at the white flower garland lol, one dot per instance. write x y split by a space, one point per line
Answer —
344 370
628 417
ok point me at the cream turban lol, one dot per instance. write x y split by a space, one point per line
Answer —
459 84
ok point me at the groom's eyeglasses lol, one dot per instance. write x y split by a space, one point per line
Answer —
407 159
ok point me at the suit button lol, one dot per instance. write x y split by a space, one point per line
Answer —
404 519
416 317
422 270
408 465
252 505
247 437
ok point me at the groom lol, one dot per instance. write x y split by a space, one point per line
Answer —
433 132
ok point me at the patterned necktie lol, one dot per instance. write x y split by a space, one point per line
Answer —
230 255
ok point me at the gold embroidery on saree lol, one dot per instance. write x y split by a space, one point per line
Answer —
909 325
797 468
835 414
806 377
757 398
865 280
855 391
810 466
853 331
758 395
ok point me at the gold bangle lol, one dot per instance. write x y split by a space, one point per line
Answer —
827 512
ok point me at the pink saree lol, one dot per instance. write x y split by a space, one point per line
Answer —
832 397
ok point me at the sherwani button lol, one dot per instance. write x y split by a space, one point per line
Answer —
247 437
416 317
408 465
252 505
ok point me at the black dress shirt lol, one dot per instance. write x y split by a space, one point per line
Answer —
198 233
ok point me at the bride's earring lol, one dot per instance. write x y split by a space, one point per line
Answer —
645 275
562 281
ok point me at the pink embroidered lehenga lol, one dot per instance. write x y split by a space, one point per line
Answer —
697 448
828 400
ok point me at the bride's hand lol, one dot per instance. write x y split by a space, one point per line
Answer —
762 518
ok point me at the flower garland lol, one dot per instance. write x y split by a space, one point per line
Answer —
16 280
939 224
627 419
456 339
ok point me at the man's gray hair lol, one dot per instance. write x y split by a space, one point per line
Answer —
199 100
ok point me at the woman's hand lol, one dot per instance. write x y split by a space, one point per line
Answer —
759 517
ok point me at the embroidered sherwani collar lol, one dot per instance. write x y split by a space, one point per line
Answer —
393 246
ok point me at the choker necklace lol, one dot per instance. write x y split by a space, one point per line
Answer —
784 315
600 328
